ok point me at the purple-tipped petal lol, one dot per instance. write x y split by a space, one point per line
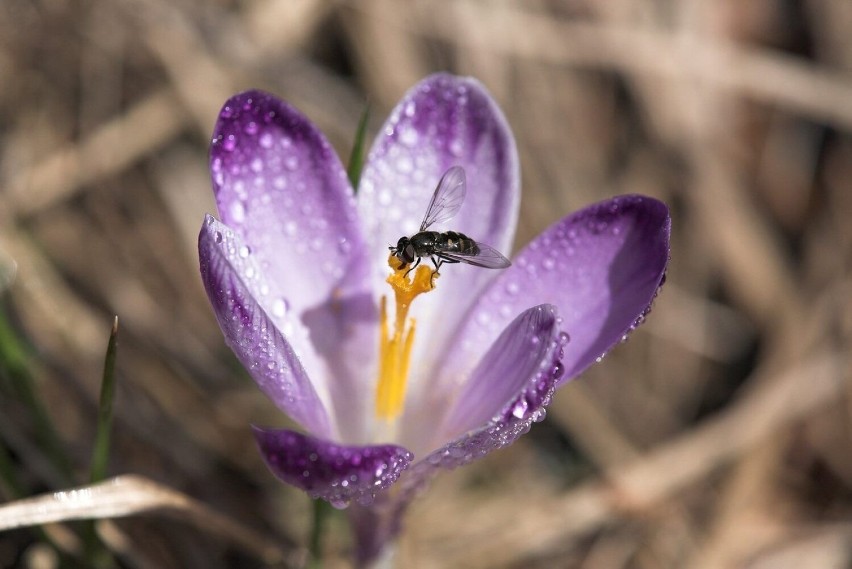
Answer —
505 370
337 473
232 280
443 121
508 423
281 187
601 267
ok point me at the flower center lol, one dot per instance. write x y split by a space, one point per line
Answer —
395 350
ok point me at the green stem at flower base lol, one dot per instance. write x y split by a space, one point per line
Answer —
322 512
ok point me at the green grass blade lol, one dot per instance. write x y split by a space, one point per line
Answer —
356 158
100 455
16 376
96 554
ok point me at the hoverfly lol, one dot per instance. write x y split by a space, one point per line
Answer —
447 246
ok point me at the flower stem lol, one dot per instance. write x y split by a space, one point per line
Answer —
322 510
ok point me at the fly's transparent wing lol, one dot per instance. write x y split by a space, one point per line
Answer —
447 199
488 257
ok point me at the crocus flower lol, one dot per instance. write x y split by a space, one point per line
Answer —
297 273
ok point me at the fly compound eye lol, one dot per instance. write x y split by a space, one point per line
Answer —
409 253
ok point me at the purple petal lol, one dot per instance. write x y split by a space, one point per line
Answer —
443 121
507 424
337 473
281 187
231 280
517 356
601 267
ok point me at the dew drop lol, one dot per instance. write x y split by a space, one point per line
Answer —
238 211
291 162
230 143
280 307
548 263
279 183
266 140
410 108
520 408
251 128
456 147
217 237
404 164
291 228
408 137
512 288
564 338
256 165
244 251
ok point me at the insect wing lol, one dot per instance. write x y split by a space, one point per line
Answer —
447 199
488 257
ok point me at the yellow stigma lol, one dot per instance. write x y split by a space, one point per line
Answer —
395 351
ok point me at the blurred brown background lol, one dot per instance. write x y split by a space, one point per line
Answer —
718 436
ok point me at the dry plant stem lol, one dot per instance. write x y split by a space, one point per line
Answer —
132 495
775 402
761 74
112 148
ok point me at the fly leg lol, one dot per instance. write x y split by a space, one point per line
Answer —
414 266
438 261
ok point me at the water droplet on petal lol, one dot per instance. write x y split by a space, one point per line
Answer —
244 251
408 136
217 237
238 211
280 307
456 147
250 128
266 140
520 408
291 162
230 143
564 338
